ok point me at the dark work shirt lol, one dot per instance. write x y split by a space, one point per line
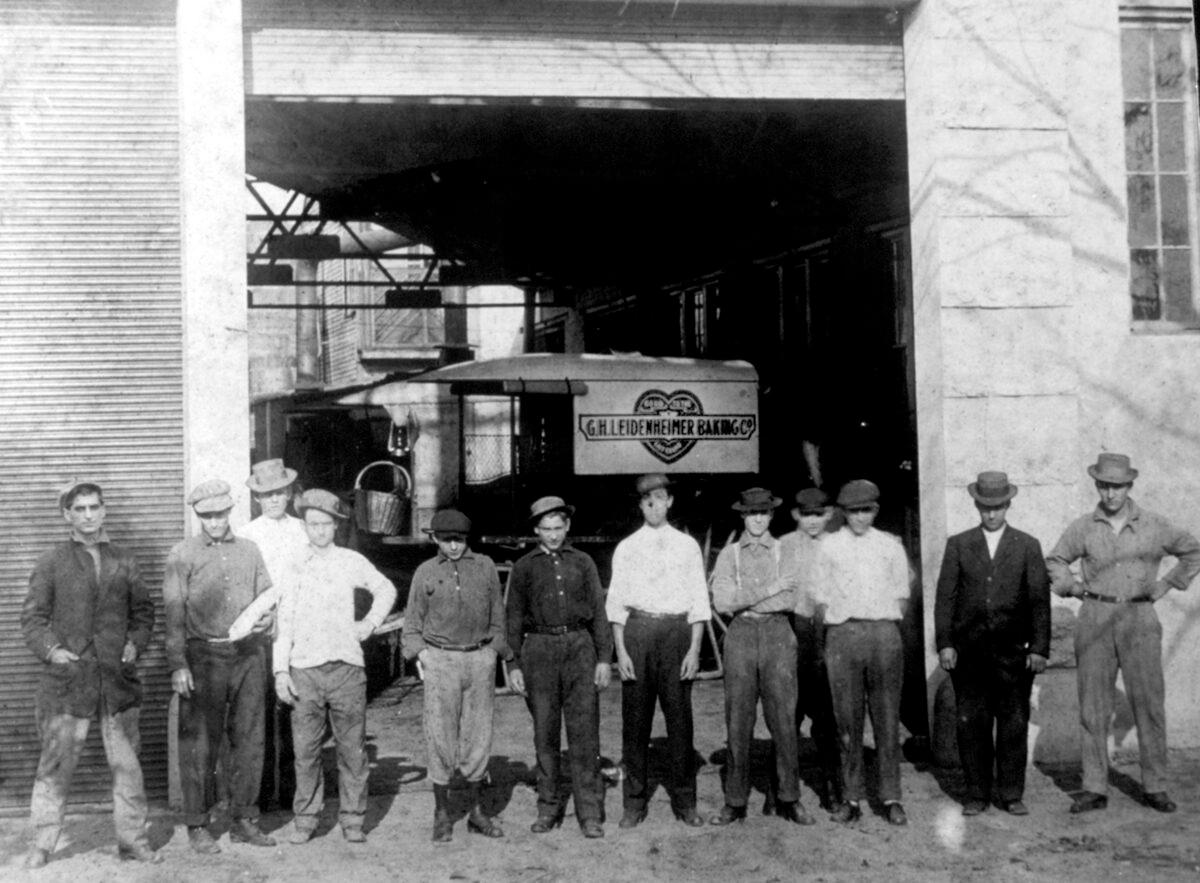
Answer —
557 589
454 603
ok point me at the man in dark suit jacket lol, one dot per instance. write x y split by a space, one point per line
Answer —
992 623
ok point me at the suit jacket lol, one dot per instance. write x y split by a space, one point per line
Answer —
999 606
68 607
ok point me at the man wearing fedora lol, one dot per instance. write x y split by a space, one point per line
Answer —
561 650
279 536
658 606
319 667
760 658
88 618
992 627
209 579
454 628
812 514
862 588
1119 547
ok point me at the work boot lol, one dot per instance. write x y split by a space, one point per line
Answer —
139 852
477 821
37 858
247 831
443 827
201 841
793 811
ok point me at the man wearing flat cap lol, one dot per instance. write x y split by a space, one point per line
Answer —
454 628
812 513
87 617
319 667
561 648
1119 547
862 586
992 627
760 658
210 578
658 606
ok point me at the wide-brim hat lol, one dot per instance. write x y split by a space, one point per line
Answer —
210 497
992 489
652 482
270 475
757 499
449 522
1112 469
859 492
322 501
545 505
812 501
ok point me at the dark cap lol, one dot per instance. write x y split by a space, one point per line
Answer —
859 492
757 499
652 482
322 501
449 522
812 501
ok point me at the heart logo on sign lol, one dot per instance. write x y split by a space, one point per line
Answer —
663 404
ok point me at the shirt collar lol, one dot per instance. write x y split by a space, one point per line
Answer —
562 550
467 553
766 540
228 538
101 538
1132 512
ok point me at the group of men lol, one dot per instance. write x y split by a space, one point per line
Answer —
813 629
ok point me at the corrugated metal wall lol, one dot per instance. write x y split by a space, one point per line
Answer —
591 50
90 323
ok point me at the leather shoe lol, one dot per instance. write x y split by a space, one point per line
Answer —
592 829
353 834
1014 807
846 813
1160 801
139 852
794 811
691 818
769 805
973 807
201 841
728 815
545 823
631 818
300 836
247 831
896 814
1086 801
37 858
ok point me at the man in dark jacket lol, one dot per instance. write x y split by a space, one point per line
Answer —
88 618
993 635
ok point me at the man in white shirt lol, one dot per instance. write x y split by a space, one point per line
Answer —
658 605
318 664
279 536
862 585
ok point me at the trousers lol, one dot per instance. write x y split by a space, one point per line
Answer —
460 691
560 689
991 692
228 699
813 700
760 662
865 661
337 690
63 737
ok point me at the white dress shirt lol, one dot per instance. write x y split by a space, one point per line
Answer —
281 541
658 570
861 577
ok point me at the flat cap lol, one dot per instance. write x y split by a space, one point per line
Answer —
69 488
322 501
652 482
859 492
210 496
449 522
811 500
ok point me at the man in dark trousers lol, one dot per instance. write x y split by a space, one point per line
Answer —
993 635
562 646
87 618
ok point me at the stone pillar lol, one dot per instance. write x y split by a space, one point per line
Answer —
212 231
990 161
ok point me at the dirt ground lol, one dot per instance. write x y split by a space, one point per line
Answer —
1128 841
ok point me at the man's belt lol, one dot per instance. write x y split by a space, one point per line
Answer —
458 648
645 614
760 615
554 629
1113 599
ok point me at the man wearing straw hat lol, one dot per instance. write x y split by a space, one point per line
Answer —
319 667
760 658
992 627
88 618
209 579
1119 547
454 628
279 536
561 650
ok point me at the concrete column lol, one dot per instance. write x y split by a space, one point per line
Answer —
990 159
212 195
